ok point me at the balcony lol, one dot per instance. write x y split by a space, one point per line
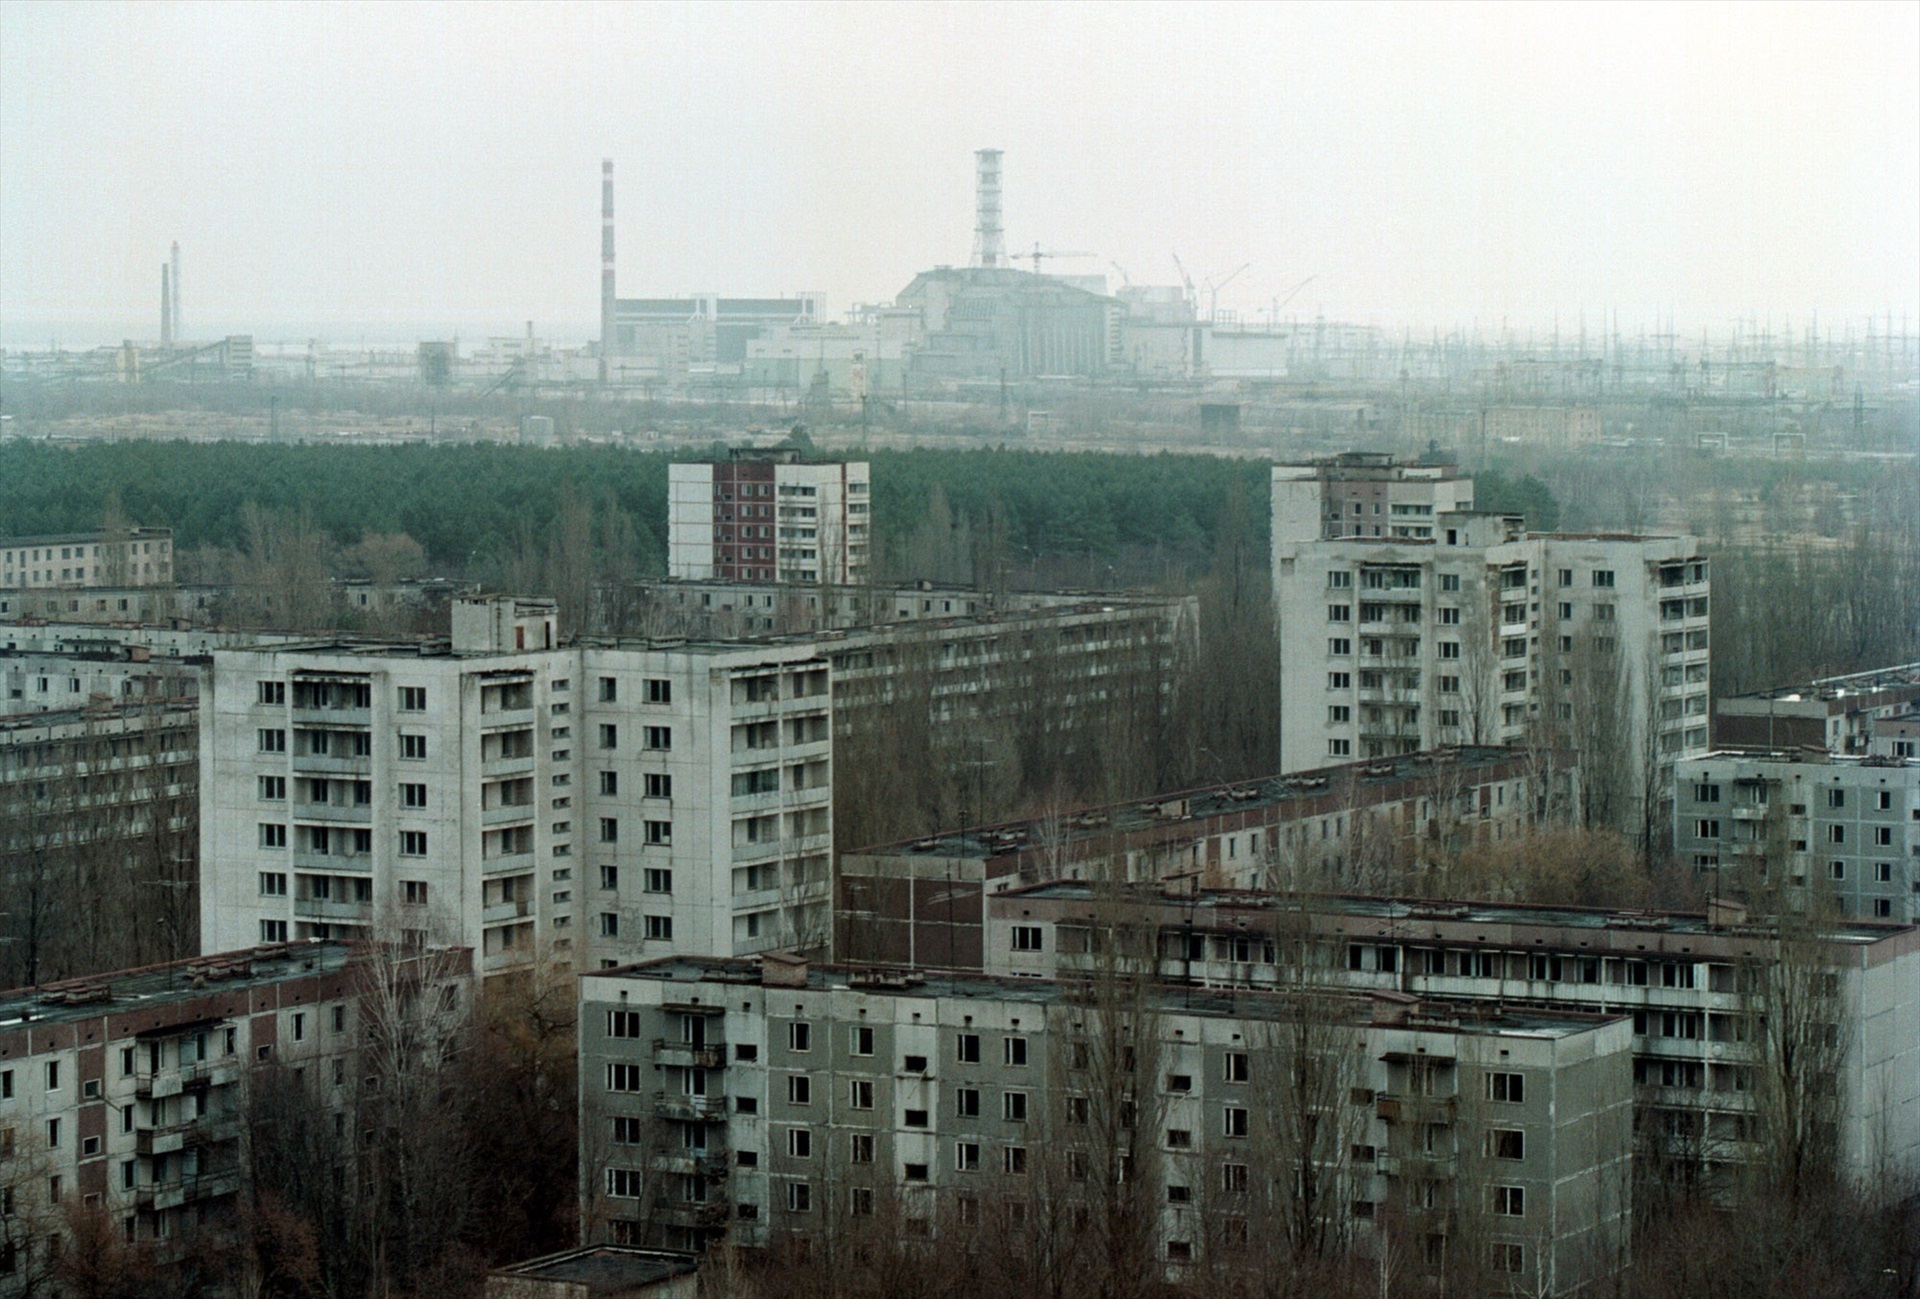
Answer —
507 863
307 859
1391 1108
507 814
326 719
332 764
507 766
201 1186
1417 1164
708 1213
690 1109
501 912
335 813
684 1055
693 1163
333 909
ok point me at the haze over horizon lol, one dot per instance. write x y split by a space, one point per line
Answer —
409 171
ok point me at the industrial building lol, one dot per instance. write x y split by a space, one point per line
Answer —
1409 621
767 515
593 802
764 1102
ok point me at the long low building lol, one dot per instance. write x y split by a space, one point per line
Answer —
770 1101
920 901
1692 984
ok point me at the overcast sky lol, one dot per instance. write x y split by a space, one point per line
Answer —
407 169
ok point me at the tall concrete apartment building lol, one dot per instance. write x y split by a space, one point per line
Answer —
1409 621
132 557
127 1094
602 801
764 515
1684 979
1848 827
783 1100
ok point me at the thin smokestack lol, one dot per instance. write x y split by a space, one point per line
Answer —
166 308
607 325
987 249
178 334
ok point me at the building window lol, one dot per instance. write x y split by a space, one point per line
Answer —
1235 1068
273 836
1339 748
609 829
273 884
800 1036
1508 1087
860 1093
799 1197
1603 577
1339 680
610 783
609 877
1506 1258
1506 1143
413 699
659 786
272 739
660 928
799 1089
1015 1160
273 931
860 1040
1706 829
658 737
413 796
1026 938
609 690
1339 714
966 1048
273 692
1016 1052
656 880
1510 1201
659 691
413 843
609 736
799 1143
273 789
413 747
1235 1122
1013 1107
659 832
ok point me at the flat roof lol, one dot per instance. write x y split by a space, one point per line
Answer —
155 985
604 1269
1428 910
1145 814
1168 999
1841 687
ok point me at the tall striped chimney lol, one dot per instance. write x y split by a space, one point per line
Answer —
166 309
987 250
179 336
608 328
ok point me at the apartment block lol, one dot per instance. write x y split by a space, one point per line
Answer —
1848 827
127 1094
1408 621
1837 714
132 557
1686 981
98 829
922 901
765 515
598 801
769 1101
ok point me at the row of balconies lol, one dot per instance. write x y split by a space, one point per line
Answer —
160 1084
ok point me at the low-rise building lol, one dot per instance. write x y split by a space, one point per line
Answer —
1691 984
778 1100
921 901
1836 714
132 557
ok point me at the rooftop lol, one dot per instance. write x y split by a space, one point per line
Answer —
608 1271
1905 675
1413 911
123 990
1119 818
1225 1003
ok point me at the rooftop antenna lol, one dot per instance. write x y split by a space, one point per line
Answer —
988 249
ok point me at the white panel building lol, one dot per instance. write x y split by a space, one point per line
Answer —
602 801
1407 621
765 516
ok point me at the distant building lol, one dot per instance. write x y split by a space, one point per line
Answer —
987 324
599 1272
1836 714
134 557
769 516
1848 827
720 1099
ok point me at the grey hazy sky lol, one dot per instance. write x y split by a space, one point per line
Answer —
417 167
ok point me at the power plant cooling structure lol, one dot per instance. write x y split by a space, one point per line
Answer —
988 249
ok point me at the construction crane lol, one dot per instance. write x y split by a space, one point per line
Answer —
1193 299
1039 252
1126 281
1213 292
